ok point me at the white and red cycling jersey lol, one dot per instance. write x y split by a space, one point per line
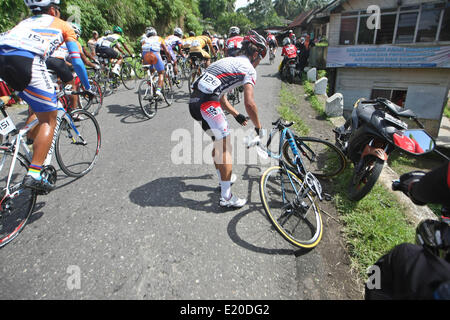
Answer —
233 45
289 51
226 74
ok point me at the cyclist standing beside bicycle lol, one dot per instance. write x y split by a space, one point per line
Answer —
152 46
209 98
23 52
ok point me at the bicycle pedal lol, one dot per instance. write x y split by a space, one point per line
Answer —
327 197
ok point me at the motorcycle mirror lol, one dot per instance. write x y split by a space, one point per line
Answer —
414 141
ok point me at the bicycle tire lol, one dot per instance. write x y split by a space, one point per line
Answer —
167 91
324 160
14 211
147 101
70 146
270 183
355 191
95 104
128 76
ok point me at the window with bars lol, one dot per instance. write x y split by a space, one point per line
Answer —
427 22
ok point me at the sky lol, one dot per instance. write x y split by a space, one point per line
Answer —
240 3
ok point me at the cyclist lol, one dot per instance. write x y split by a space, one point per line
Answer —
23 52
198 45
292 36
208 100
420 271
272 42
174 43
151 54
215 42
233 44
109 42
187 42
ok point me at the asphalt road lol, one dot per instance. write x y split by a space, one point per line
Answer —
146 224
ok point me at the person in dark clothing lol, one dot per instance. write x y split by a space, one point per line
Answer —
303 54
419 271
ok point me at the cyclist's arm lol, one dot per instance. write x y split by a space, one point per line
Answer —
86 61
225 104
126 48
77 62
250 105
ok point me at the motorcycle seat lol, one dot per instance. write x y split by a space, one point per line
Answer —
397 110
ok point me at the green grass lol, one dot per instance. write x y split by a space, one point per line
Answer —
372 226
313 100
447 110
287 100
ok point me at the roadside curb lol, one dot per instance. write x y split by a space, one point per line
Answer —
412 211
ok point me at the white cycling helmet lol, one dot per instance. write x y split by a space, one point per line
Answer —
234 30
286 41
178 32
77 28
36 5
150 32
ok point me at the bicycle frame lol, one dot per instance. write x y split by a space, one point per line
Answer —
19 141
308 178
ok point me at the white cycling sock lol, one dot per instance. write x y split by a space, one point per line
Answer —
225 191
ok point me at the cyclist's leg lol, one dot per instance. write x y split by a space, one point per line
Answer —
159 66
41 97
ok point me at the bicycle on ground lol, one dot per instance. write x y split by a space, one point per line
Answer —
289 191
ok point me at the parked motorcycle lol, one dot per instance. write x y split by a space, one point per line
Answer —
369 136
290 71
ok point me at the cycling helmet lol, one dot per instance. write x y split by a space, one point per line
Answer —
257 40
286 41
77 28
117 29
150 32
206 33
178 32
234 31
434 236
108 32
36 5
191 34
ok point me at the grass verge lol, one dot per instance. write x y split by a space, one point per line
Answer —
372 226
312 98
288 99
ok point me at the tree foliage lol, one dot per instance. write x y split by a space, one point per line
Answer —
191 15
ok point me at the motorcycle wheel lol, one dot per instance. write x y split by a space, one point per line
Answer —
364 179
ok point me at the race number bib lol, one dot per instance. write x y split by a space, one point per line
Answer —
208 83
6 126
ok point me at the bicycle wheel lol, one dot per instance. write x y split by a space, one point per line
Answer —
78 143
93 105
147 100
291 210
16 208
168 90
128 76
320 157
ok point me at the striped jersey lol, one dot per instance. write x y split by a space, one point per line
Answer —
226 74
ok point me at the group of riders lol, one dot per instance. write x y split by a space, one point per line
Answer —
45 42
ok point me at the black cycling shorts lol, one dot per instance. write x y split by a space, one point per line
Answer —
16 71
107 52
61 69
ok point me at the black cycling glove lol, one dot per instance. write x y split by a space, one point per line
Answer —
240 118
